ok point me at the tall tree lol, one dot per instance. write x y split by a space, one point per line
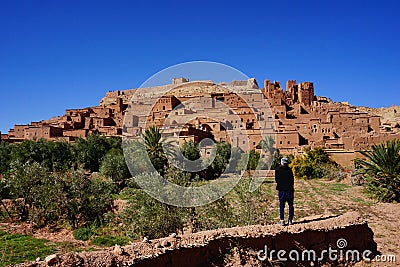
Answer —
191 150
5 158
90 151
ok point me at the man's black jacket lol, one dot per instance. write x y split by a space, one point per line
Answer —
284 178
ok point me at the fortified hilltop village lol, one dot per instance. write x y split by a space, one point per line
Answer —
298 117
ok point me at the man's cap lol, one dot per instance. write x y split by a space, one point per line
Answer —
284 161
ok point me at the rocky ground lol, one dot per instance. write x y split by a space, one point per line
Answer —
389 115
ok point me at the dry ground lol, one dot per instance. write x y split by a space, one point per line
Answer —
312 198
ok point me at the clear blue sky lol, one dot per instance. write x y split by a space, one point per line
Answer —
56 55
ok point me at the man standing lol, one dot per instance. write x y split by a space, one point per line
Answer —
285 185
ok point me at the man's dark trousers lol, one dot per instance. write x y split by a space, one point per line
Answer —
286 196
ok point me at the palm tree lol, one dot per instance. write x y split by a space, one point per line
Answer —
381 170
152 141
157 148
267 144
150 146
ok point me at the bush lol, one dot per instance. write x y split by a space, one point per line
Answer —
87 199
177 176
109 240
248 206
381 171
83 233
89 152
146 216
222 152
59 155
249 161
41 190
240 207
54 155
52 197
311 164
332 171
218 214
191 150
114 166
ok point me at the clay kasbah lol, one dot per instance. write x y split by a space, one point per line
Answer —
301 119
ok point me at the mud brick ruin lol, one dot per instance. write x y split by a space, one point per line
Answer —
299 118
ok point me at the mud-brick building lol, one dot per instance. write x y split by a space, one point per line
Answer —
204 109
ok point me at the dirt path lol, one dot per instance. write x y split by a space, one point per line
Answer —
384 220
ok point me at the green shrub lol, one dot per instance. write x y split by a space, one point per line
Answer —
89 152
109 240
250 161
87 200
52 197
311 164
177 176
381 171
146 216
333 171
41 190
220 164
114 166
247 206
83 233
59 155
191 150
218 214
